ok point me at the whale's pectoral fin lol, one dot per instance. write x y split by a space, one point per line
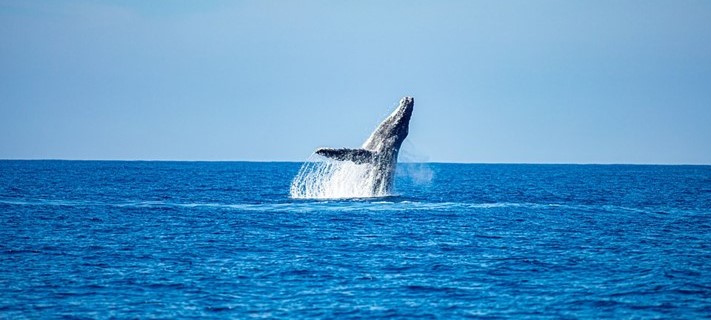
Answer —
358 156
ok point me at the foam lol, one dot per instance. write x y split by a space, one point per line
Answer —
330 179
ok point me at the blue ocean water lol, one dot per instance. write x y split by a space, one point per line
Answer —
208 239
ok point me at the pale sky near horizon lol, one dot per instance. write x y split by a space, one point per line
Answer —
493 81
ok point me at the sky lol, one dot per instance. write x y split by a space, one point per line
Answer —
493 81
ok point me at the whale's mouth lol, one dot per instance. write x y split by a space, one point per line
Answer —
400 120
407 101
407 104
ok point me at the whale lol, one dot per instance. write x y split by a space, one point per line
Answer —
380 151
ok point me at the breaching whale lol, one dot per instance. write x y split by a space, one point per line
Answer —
382 147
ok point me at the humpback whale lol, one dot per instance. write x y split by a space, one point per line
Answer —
380 150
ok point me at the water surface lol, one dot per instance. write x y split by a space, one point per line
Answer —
206 239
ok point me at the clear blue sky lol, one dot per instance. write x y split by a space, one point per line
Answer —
495 81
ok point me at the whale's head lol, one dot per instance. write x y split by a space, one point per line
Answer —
401 117
394 129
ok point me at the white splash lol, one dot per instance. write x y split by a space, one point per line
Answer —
331 179
413 165
417 173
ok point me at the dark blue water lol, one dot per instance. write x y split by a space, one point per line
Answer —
180 239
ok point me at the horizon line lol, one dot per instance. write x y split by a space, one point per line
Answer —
415 162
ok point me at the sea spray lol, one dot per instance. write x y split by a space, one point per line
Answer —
321 178
418 173
413 165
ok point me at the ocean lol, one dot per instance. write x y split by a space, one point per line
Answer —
103 239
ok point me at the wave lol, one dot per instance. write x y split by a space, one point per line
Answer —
305 206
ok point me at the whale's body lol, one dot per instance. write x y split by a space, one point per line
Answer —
381 149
